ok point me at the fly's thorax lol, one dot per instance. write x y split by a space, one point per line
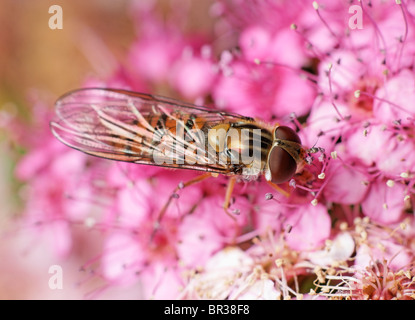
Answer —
244 145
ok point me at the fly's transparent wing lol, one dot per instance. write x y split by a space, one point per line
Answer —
134 127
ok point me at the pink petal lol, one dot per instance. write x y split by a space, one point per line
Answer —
193 77
384 204
254 42
123 258
399 90
311 225
194 233
346 184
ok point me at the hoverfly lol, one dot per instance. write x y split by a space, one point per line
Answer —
153 130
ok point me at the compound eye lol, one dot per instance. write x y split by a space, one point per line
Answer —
281 165
286 133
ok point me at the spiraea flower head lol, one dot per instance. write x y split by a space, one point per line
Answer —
341 74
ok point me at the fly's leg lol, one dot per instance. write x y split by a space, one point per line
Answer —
197 179
228 197
227 203
174 196
179 187
279 189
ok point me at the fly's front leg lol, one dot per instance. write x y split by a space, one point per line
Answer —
197 179
279 189
228 196
179 187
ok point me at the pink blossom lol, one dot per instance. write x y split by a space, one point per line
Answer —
343 222
57 194
340 72
337 191
198 232
368 144
284 47
384 204
134 250
193 76
394 103
400 157
123 258
324 124
384 250
161 282
255 90
310 227
152 56
133 204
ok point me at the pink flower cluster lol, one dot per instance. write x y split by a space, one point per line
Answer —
345 222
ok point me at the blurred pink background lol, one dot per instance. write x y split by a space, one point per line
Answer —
37 63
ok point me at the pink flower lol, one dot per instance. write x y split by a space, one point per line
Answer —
284 47
388 150
161 282
198 232
58 191
337 191
340 72
368 144
123 258
263 90
343 222
384 204
394 103
310 227
400 159
384 250
194 76
152 56
324 125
